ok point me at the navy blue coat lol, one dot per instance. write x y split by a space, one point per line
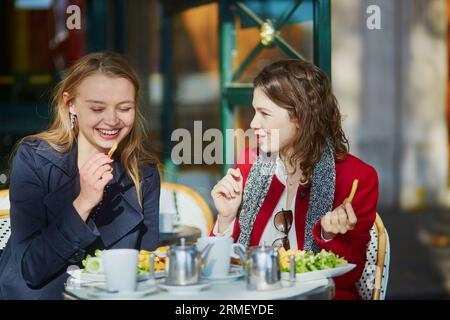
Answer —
47 233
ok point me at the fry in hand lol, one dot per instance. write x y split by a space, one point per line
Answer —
112 150
352 193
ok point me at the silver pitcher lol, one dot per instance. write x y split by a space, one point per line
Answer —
184 263
262 267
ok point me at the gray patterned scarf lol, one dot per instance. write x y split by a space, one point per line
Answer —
320 201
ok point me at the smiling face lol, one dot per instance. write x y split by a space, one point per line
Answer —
272 124
105 110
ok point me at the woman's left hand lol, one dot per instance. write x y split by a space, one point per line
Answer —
340 220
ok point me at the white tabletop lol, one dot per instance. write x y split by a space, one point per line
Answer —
235 290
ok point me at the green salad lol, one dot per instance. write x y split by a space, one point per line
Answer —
306 261
93 264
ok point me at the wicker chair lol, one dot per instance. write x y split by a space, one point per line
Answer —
373 283
189 206
5 227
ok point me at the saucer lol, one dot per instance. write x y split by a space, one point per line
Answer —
320 274
180 290
235 273
100 277
142 289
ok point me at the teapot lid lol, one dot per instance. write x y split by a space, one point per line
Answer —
182 245
263 248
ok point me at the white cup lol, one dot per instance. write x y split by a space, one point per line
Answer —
120 267
217 264
166 221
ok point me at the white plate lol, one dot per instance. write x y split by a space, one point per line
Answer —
320 274
181 290
235 273
143 289
100 277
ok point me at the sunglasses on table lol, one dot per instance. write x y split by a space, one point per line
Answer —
283 223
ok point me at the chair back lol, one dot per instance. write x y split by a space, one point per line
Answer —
189 206
374 280
5 226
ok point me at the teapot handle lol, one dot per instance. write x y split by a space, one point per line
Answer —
152 267
235 248
241 250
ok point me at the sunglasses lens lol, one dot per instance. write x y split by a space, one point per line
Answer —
282 243
278 243
283 221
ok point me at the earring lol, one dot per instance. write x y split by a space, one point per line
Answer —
73 119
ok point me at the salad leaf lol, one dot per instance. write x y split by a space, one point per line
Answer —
91 264
94 265
98 253
307 261
85 260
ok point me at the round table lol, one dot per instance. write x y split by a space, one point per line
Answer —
322 289
190 234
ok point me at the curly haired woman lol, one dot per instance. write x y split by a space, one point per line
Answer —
291 191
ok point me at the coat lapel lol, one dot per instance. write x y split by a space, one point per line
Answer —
63 187
301 207
273 196
117 217
67 162
121 212
127 189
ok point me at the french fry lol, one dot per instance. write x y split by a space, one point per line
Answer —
144 261
112 150
352 193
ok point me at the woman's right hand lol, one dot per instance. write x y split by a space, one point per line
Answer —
94 175
227 197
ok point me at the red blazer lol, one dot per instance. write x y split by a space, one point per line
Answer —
352 245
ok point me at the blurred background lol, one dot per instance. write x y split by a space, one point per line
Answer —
388 61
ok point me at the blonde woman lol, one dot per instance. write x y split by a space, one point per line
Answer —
68 197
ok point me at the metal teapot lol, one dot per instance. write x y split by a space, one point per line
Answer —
184 263
262 267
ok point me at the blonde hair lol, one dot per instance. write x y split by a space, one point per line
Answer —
61 136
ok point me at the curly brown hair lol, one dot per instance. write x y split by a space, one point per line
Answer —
304 90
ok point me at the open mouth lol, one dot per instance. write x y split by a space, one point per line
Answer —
108 134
